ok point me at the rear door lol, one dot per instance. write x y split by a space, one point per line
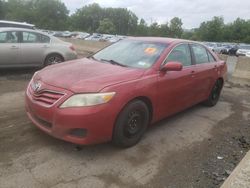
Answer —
205 69
9 48
175 88
33 48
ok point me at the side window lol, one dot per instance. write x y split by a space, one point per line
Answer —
29 37
9 37
44 39
211 57
3 37
200 54
182 54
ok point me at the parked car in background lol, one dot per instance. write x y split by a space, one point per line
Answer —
243 50
218 48
95 37
210 45
66 34
81 35
233 50
226 49
5 23
57 34
90 100
24 47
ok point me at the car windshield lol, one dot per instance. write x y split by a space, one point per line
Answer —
131 53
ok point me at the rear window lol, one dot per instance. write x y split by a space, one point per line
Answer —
200 54
30 37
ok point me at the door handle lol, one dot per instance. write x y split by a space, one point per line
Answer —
192 73
216 67
45 46
14 47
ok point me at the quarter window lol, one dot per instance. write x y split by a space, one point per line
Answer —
180 54
44 39
200 54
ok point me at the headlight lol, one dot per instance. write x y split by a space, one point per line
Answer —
91 99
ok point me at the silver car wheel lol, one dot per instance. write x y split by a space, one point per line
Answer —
53 59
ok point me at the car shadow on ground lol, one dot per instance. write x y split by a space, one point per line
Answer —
17 73
150 134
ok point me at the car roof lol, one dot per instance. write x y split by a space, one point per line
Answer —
161 40
17 23
21 29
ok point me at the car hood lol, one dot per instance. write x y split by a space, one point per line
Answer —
85 75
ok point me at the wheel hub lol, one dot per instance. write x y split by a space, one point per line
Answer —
133 124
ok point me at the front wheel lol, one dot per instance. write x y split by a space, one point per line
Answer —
215 94
131 124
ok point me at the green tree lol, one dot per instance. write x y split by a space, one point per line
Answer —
106 26
175 28
46 14
2 9
212 30
50 14
154 29
164 30
240 30
142 28
89 17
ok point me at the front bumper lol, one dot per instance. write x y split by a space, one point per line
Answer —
240 53
82 125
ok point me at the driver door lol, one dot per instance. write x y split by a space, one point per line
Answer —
175 88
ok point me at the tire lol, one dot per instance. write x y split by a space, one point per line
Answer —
131 124
214 94
53 59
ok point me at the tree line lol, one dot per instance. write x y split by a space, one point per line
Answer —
54 15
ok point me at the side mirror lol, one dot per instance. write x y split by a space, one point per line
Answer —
172 66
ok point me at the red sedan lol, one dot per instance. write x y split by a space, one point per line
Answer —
116 93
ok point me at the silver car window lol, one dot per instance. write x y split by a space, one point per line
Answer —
44 39
29 37
9 37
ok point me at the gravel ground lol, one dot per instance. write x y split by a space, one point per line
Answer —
195 148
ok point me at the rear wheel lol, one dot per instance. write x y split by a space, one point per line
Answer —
53 59
215 94
131 124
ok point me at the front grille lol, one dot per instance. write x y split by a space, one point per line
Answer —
42 122
45 97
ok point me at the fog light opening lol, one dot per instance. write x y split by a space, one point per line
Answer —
80 133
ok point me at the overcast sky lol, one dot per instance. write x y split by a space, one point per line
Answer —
192 12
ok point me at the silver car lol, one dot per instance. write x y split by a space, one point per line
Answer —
30 48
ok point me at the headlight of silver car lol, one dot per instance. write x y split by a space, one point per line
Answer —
90 99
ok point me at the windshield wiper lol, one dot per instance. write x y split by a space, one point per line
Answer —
91 57
113 62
